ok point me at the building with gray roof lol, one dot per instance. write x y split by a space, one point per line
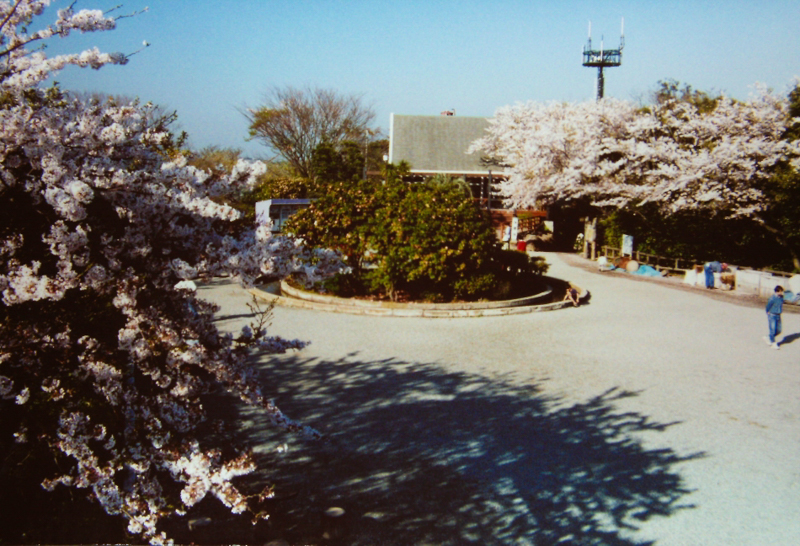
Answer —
434 145
438 145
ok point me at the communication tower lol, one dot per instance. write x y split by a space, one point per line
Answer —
603 57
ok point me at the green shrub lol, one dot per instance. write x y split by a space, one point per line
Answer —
427 241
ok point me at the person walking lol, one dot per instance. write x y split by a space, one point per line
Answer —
774 310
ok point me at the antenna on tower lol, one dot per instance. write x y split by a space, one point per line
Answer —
604 57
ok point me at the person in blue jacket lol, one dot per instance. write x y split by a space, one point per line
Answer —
710 268
774 310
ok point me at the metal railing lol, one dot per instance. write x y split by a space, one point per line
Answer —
661 263
676 265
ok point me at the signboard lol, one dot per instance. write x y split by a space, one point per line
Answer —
514 228
627 245
590 230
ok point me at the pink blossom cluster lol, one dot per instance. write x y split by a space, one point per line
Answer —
615 153
99 223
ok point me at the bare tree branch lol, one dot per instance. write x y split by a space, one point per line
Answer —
295 121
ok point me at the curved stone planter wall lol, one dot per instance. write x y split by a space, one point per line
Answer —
293 297
292 292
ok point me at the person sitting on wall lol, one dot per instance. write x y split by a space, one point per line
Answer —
572 295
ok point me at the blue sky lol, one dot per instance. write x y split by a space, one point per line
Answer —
209 59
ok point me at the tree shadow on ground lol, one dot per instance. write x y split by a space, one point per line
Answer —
418 454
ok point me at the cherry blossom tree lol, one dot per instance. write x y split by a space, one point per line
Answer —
554 151
103 357
721 160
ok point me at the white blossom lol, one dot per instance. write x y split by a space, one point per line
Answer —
101 230
616 154
23 396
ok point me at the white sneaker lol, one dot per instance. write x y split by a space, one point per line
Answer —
766 340
775 346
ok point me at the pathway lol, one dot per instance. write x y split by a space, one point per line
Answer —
654 413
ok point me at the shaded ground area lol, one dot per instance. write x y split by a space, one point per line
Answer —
416 454
694 359
655 414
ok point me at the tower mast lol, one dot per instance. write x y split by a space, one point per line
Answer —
603 57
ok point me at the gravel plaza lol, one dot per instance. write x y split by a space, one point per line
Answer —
654 414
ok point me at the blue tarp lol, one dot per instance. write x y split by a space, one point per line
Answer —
647 271
644 270
791 297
